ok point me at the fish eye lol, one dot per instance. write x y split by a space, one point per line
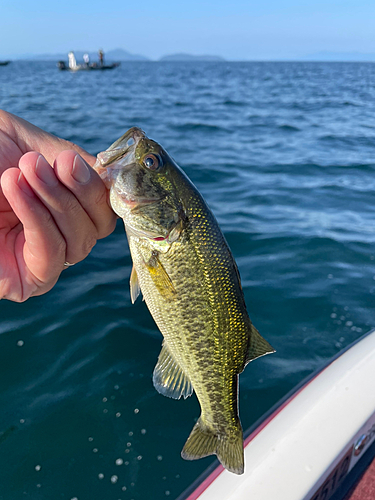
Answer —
153 162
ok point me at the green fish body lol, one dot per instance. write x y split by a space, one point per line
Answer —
191 285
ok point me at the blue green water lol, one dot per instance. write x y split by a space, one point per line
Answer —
284 154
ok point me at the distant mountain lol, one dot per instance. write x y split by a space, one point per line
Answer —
190 57
124 55
110 56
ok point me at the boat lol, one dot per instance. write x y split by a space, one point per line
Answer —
4 63
317 443
81 67
86 66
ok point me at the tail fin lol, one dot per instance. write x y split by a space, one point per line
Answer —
228 448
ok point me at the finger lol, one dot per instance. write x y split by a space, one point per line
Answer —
75 225
41 254
28 137
88 188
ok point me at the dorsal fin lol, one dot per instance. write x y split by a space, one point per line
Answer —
169 378
258 346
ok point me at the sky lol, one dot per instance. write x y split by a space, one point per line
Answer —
233 29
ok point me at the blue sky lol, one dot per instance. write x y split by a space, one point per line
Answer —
234 29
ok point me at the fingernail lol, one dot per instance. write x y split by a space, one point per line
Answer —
22 184
45 172
80 172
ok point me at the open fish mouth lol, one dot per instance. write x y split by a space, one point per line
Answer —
120 154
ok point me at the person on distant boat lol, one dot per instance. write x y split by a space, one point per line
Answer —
72 60
50 217
86 59
101 57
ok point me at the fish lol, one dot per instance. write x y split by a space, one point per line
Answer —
190 282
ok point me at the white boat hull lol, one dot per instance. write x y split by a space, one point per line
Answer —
305 448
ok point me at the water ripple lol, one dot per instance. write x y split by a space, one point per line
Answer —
284 155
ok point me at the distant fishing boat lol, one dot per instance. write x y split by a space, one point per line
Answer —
317 443
4 63
86 66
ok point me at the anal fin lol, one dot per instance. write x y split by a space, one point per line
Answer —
169 378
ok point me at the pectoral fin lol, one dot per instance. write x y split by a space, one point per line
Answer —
134 285
169 378
176 232
160 277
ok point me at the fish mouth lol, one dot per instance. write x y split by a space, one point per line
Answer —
119 155
138 202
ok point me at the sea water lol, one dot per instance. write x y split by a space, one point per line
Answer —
284 154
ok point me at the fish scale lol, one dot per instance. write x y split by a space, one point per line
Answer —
190 283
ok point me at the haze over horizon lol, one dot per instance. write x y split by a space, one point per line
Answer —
241 30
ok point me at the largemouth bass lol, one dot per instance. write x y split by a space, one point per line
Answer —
190 282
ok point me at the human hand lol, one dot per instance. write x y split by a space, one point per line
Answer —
48 216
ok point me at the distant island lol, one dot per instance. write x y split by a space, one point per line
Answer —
124 55
110 55
115 55
190 57
121 55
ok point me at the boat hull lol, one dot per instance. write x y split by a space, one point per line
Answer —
306 447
